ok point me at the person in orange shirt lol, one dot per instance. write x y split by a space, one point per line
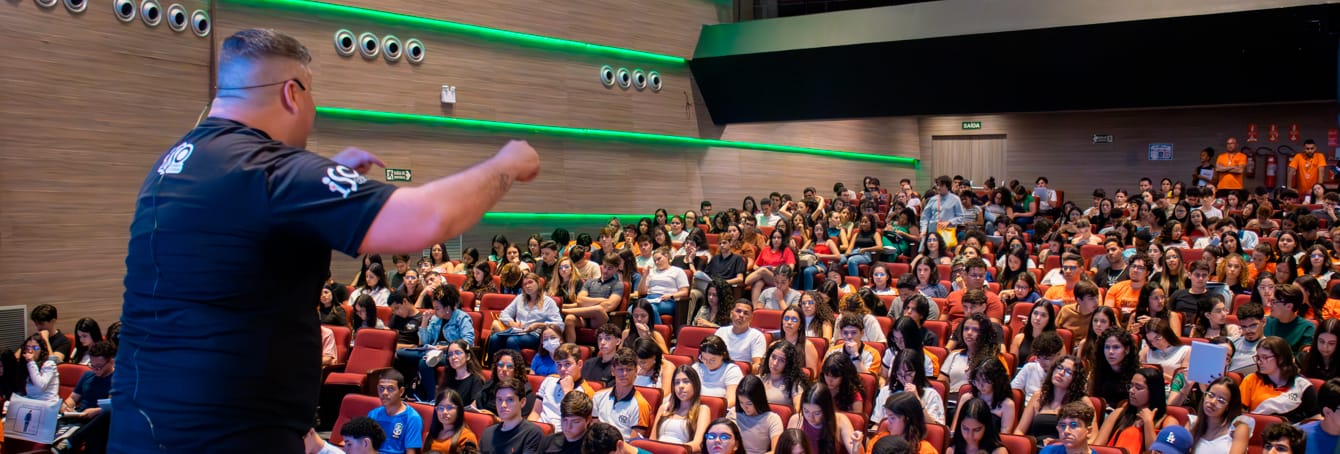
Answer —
1306 168
1070 269
1123 295
1228 168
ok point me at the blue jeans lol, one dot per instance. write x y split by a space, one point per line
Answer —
807 277
665 307
410 360
499 341
855 261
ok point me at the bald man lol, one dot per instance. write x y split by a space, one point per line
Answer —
230 245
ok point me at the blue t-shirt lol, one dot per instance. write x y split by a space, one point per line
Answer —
229 246
543 365
1318 441
90 388
403 431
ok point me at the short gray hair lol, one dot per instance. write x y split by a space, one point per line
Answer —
242 52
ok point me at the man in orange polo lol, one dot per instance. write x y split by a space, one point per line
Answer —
1308 166
1228 168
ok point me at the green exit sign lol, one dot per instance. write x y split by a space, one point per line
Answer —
972 125
397 175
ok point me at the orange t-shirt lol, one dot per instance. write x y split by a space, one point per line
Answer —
1121 295
1061 293
447 446
1331 309
1230 180
1306 169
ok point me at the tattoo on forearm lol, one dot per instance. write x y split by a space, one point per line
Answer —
504 183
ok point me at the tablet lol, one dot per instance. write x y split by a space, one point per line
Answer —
1207 362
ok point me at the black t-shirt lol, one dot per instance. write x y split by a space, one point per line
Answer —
1191 306
59 344
725 268
596 369
557 443
229 246
406 328
525 438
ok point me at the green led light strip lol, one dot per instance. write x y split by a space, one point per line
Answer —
596 134
481 32
572 217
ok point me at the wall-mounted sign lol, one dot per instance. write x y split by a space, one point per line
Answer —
1333 137
1251 133
1103 138
1160 152
972 125
1293 132
1274 133
397 175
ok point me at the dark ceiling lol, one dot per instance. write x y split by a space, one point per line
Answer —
1275 55
788 8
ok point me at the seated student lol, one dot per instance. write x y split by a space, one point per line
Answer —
600 369
781 295
447 432
398 420
1251 318
977 430
82 404
1276 388
554 387
1282 438
1077 315
362 435
826 431
576 410
602 438
1132 424
444 325
508 364
974 302
1324 433
1074 274
744 342
621 405
1285 320
600 295
719 374
44 322
1073 424
851 329
513 434
1046 347
551 336
1193 302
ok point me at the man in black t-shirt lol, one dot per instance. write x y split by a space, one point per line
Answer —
576 410
726 266
230 244
44 319
513 434
1193 302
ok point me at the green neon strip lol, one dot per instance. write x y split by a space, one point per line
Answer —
570 217
596 134
457 28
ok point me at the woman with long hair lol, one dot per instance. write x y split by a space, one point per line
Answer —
792 441
642 324
1215 322
907 334
712 313
1065 383
907 376
507 365
793 331
839 374
543 364
1289 244
653 371
759 426
979 344
447 432
928 278
990 382
564 284
1174 276
1320 361
1089 348
1276 388
1318 264
977 430
86 333
682 417
1220 426
819 317
333 297
518 325
1113 366
440 259
1164 348
825 431
720 375
1041 319
777 253
722 437
782 376
38 371
365 315
1134 423
374 285
1152 303
904 417
1236 273
463 373
1286 270
479 281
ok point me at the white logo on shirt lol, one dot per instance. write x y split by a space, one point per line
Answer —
176 159
343 180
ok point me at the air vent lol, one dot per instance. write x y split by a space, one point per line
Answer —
13 325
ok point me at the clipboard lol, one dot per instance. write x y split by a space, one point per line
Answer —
1207 362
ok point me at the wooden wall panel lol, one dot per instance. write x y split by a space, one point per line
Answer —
494 81
90 103
666 27
1059 145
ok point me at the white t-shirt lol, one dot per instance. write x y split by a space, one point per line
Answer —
931 403
744 347
1224 441
956 368
666 282
716 381
1029 379
873 332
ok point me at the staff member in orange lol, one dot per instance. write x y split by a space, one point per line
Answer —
230 244
1308 166
1228 168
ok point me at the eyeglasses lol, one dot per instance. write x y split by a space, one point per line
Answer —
718 437
807 303
294 80
1072 425
1138 268
1216 398
35 348
455 353
1066 371
1069 268
446 408
1259 357
790 320
505 366
411 277
387 388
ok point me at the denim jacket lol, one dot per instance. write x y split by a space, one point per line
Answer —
458 327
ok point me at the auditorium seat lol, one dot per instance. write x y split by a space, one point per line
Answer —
373 349
689 338
69 375
660 447
352 406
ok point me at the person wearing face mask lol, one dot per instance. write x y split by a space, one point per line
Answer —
551 336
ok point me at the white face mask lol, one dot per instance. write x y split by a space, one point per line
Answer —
551 345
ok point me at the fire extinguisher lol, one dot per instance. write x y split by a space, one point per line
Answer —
1270 170
1251 162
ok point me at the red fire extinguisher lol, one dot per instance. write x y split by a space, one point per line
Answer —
1251 162
1270 170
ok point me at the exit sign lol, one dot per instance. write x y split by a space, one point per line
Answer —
972 125
397 175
